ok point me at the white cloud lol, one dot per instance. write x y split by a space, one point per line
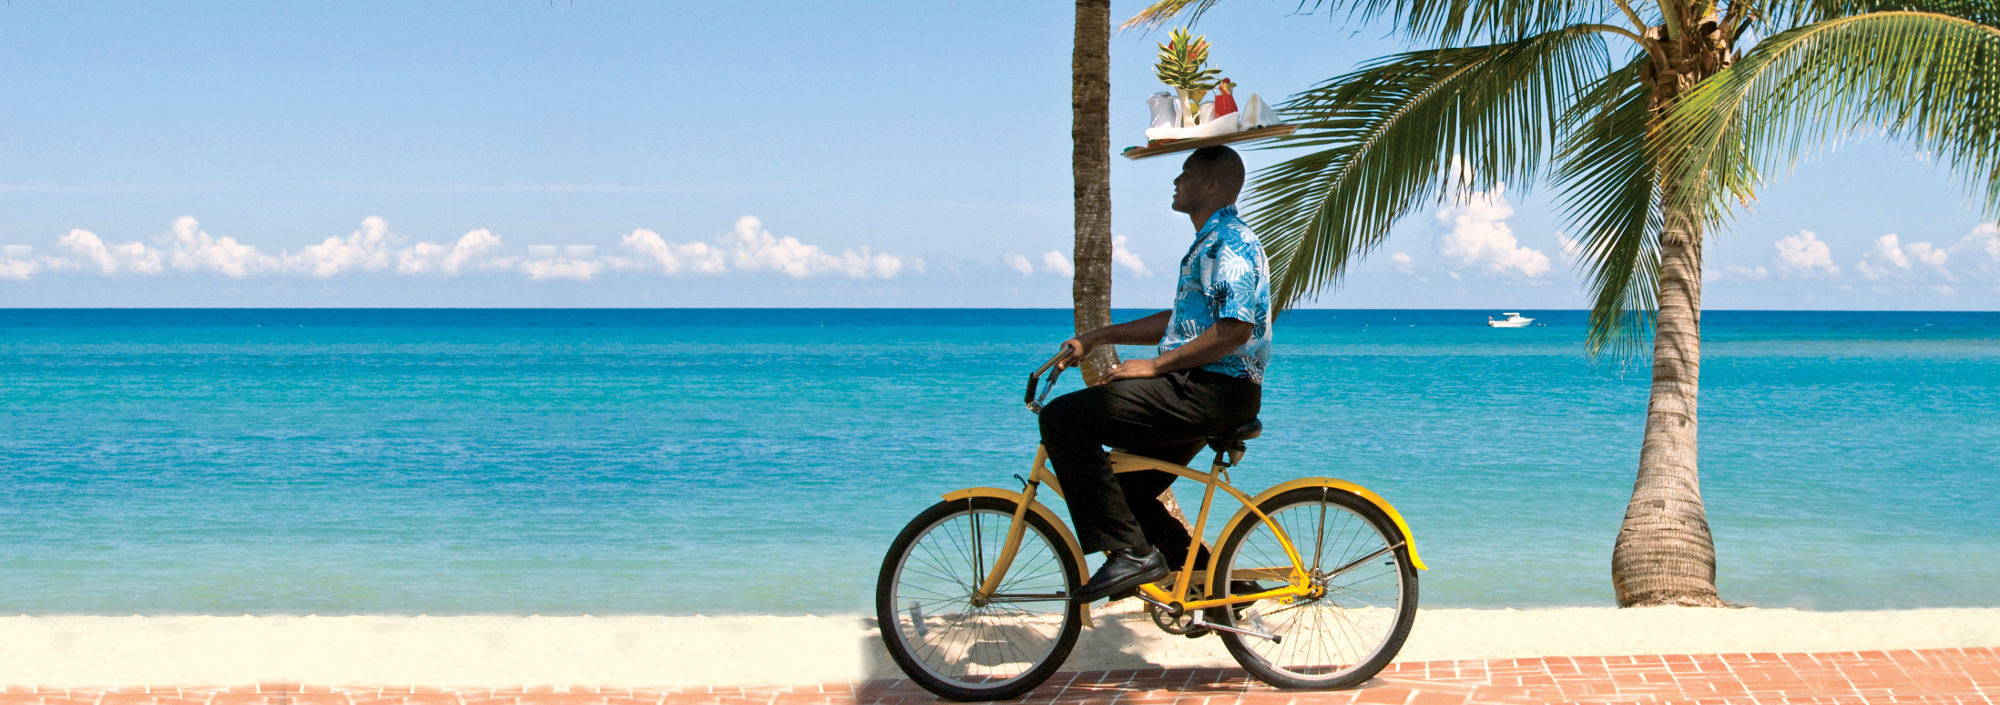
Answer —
375 248
1123 256
695 257
1479 235
752 248
15 263
370 248
1902 258
1571 247
87 249
191 249
1757 272
1020 264
1056 262
1985 237
470 252
561 267
1403 263
1805 254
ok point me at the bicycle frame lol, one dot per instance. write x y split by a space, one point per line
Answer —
1296 578
1217 477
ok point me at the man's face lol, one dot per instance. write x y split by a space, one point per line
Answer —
1190 190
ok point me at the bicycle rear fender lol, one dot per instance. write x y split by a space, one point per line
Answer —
1069 539
1409 540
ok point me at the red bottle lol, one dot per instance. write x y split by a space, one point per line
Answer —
1224 102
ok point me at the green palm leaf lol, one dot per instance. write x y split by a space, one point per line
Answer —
1606 181
1928 78
1164 11
1798 13
1448 23
1390 130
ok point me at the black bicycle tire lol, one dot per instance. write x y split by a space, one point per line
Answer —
886 608
1406 609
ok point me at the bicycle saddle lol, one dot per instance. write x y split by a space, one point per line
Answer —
1235 439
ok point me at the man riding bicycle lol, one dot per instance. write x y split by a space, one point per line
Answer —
1206 382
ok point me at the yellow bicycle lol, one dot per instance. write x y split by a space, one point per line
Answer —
973 597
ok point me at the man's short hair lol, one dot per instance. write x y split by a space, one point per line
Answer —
1217 164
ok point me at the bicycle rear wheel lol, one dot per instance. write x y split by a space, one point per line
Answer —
965 651
1364 595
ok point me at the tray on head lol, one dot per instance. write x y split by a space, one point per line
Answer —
1200 142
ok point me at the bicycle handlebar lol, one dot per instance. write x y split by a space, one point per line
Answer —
1035 400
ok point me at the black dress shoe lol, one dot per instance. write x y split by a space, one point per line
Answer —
1127 569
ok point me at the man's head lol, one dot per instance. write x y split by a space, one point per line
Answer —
1211 178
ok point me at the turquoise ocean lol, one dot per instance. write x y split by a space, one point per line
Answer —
759 461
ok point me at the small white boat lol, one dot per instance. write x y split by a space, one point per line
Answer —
1514 320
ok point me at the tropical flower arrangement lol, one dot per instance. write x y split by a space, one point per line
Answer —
1187 112
1183 65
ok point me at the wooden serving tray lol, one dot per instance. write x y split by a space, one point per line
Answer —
1200 142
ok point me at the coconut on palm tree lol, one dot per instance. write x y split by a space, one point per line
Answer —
1638 112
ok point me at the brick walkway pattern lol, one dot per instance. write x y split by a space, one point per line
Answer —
1923 676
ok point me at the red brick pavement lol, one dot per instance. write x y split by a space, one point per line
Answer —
1923 676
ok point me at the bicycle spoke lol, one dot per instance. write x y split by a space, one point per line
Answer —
994 643
1356 611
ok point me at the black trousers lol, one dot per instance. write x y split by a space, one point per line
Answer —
1168 418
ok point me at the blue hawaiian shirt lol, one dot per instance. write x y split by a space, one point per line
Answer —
1225 275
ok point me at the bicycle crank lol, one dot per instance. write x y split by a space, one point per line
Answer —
1198 622
1174 620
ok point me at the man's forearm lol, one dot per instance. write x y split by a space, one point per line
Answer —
1145 331
1214 343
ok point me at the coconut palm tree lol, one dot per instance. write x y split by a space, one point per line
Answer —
1090 170
1926 72
1590 83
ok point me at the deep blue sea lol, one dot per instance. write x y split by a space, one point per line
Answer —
759 461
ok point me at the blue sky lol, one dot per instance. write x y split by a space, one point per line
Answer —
609 153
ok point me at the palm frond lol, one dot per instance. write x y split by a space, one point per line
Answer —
1797 13
1389 131
1451 23
1607 184
1446 23
1930 79
1160 13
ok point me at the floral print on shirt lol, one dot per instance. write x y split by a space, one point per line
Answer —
1225 275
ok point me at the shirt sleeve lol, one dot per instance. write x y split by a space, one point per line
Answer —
1237 280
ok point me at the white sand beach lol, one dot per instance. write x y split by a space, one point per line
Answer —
78 651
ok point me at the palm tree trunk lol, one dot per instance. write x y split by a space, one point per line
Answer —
1664 554
1090 169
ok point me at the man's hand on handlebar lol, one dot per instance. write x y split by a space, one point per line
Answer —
1075 348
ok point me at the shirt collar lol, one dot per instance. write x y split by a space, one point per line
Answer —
1214 221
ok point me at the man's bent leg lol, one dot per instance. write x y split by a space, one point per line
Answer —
1073 432
1142 495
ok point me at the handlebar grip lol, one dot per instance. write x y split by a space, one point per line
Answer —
1034 400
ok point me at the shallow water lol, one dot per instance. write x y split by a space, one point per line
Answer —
759 461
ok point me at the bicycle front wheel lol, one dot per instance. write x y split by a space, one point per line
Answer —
1363 590
965 651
